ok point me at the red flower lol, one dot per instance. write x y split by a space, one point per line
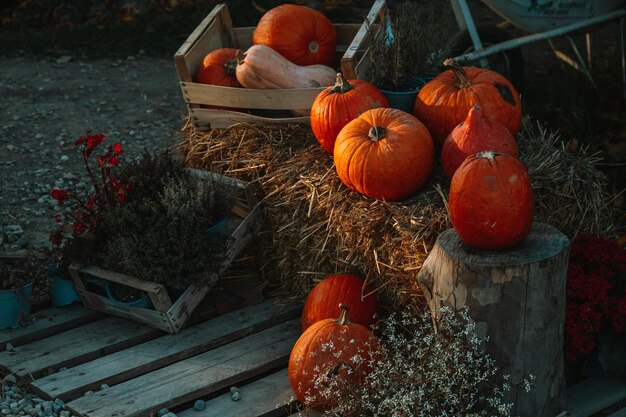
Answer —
57 218
79 228
59 195
94 140
121 196
91 201
113 161
117 149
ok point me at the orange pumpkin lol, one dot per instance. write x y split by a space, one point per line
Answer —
349 289
328 349
302 35
475 134
445 101
218 68
384 153
491 201
334 107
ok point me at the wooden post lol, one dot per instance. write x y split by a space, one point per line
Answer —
517 299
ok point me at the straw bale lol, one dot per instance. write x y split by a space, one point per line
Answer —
317 226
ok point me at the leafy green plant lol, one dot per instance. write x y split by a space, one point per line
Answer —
412 42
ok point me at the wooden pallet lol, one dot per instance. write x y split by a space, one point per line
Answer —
70 352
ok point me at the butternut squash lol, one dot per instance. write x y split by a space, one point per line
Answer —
262 67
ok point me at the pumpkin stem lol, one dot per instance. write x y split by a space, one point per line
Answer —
377 133
241 55
343 318
490 155
314 47
459 72
341 85
231 65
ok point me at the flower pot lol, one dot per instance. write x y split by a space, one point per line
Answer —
14 306
142 302
62 291
404 100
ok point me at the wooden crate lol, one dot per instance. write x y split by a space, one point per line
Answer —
171 315
257 105
356 60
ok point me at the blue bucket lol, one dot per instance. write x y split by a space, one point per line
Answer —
62 291
143 302
404 100
14 306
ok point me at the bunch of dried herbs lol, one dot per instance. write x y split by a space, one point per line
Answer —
411 42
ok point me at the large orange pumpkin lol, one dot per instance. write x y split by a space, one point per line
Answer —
349 289
334 107
301 34
327 349
218 68
491 201
445 101
384 153
477 133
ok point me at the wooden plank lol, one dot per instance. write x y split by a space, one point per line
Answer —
48 322
264 397
205 119
154 354
246 98
75 346
194 377
359 43
594 394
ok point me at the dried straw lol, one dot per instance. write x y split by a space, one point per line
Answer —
317 226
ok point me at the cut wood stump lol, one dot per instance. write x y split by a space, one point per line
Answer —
517 299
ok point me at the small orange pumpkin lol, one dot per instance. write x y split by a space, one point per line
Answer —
491 201
326 350
334 107
445 101
349 289
218 68
475 134
302 35
384 153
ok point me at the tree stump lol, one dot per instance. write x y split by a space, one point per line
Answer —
517 299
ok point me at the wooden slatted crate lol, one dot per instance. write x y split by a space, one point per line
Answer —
257 105
167 314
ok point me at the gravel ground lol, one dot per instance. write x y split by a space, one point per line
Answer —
48 103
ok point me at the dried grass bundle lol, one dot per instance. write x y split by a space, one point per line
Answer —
318 226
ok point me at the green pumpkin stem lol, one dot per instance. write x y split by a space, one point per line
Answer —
341 85
459 72
241 55
377 133
343 318
231 65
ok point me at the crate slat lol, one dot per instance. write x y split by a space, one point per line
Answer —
216 119
265 397
75 346
157 353
194 377
51 321
247 98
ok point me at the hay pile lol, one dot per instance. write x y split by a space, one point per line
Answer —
317 226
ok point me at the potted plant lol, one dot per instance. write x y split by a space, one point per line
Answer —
149 227
408 49
23 283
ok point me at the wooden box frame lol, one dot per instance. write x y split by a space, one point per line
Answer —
169 315
216 31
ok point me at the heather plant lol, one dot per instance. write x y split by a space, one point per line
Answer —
161 232
424 368
412 42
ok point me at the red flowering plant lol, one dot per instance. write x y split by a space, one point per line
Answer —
596 293
79 214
